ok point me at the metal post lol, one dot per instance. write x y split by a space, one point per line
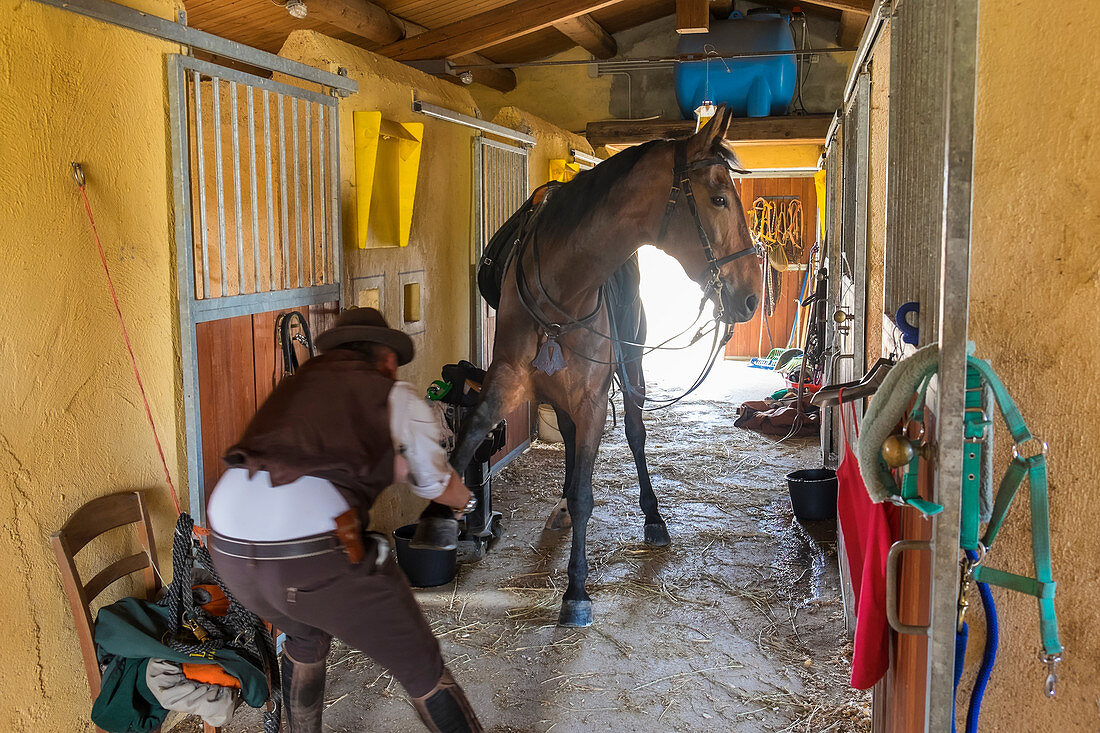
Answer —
252 191
477 308
322 188
297 188
862 174
311 235
196 81
235 138
218 175
185 272
270 205
337 234
954 314
284 231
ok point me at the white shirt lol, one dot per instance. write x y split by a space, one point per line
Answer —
250 508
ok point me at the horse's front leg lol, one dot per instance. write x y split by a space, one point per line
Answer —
504 388
656 533
576 606
559 516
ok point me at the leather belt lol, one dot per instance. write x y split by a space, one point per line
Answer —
281 550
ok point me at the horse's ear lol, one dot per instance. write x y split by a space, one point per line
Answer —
702 143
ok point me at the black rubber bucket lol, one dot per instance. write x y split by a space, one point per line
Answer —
424 568
813 493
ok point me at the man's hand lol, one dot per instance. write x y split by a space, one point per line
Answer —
456 495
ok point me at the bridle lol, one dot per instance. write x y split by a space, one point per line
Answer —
681 181
549 358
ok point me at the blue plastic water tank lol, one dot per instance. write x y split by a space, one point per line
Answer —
754 87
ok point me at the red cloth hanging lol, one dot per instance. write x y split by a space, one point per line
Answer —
869 530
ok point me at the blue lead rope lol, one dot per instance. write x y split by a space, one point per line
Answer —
989 655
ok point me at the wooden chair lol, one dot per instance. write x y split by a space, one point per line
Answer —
90 521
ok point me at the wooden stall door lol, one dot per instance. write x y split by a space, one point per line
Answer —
239 366
757 337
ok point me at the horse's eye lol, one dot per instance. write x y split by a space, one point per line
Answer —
719 201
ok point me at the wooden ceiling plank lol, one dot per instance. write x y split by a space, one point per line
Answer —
490 28
692 16
364 19
589 35
794 129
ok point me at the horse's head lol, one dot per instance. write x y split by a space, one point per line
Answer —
705 229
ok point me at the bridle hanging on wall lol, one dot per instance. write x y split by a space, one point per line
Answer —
285 338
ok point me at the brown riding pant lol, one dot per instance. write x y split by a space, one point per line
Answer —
313 599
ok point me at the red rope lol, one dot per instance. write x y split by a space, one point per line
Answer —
130 348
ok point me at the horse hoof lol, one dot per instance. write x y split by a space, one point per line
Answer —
575 614
657 535
559 518
435 533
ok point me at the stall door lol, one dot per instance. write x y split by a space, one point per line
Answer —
500 188
256 179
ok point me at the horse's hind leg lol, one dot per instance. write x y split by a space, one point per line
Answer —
559 516
656 533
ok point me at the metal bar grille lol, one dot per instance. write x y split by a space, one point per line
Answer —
500 188
284 210
918 64
294 183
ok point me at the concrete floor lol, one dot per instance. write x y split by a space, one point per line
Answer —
737 626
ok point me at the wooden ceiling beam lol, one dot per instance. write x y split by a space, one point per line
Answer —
692 16
589 35
364 19
800 129
503 80
373 23
490 28
863 7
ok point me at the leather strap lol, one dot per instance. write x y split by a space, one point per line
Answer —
306 547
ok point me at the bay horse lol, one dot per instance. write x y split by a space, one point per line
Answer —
553 341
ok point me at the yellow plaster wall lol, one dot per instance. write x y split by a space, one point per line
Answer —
553 142
72 426
568 96
1035 311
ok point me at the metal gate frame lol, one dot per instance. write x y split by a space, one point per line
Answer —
194 310
929 211
494 202
488 218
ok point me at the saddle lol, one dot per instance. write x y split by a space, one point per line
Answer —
622 286
498 252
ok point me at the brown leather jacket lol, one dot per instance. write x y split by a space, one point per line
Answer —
329 419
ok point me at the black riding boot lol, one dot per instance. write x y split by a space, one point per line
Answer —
445 709
303 694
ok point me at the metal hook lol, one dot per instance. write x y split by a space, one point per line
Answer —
1052 661
78 174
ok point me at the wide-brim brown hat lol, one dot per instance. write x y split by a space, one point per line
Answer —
365 324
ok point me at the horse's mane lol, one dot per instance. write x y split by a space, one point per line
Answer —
574 201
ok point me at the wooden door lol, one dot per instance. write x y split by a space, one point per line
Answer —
239 366
761 334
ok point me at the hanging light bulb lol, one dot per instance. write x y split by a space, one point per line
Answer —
703 113
297 8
